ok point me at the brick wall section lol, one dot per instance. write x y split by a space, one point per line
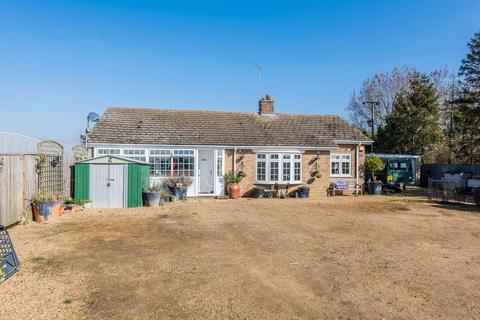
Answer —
310 161
351 149
246 161
247 164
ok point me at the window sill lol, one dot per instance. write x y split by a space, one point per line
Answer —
280 183
341 176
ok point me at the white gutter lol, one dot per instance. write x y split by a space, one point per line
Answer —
369 142
200 146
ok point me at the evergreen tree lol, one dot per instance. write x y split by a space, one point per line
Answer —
468 116
413 127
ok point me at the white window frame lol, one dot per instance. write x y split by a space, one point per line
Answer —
340 163
280 160
144 154
219 162
116 151
137 154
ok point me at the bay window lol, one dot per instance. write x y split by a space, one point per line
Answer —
297 168
286 167
261 167
277 168
274 167
340 165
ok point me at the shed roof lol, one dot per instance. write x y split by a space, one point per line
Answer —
200 127
109 159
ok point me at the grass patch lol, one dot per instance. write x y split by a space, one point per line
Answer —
67 301
37 259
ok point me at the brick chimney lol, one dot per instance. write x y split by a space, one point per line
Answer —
266 105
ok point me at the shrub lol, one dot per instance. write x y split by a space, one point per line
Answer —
181 181
47 196
234 177
154 187
165 194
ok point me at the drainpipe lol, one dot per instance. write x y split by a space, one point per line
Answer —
235 159
356 162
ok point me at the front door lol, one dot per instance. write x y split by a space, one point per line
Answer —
205 171
116 186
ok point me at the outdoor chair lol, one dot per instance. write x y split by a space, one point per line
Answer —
9 263
358 190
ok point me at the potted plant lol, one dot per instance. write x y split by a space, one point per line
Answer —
151 194
69 203
303 192
259 191
44 206
164 196
178 186
374 164
87 204
316 174
232 179
73 204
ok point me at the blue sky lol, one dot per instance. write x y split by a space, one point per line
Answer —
61 59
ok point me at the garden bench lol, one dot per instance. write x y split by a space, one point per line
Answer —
342 186
337 186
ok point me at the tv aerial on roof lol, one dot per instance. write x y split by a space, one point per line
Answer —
91 117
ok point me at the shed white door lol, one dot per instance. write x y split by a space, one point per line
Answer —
107 185
205 171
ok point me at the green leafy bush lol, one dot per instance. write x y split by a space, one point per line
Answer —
374 164
234 177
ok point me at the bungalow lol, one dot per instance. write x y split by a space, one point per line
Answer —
270 148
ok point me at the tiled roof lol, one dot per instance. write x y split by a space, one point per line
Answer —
198 127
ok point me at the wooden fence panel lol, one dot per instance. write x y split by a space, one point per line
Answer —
18 183
437 171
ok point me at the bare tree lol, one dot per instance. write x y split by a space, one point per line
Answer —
383 88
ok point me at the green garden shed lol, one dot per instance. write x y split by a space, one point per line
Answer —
110 181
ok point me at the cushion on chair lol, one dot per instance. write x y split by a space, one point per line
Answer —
340 185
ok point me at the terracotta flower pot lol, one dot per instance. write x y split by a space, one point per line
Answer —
58 210
42 210
233 190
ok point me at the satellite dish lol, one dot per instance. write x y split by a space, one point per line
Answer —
93 117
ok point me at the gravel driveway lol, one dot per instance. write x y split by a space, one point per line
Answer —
335 258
